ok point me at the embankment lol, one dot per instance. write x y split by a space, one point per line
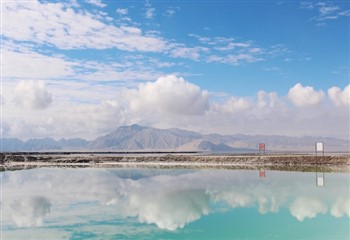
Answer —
293 162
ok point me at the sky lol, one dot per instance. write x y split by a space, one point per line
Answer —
83 68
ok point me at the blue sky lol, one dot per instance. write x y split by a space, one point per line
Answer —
186 64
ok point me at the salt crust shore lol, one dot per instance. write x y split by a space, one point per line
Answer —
288 162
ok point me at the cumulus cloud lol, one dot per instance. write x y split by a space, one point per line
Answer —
340 97
32 95
232 105
162 104
30 211
305 96
83 120
169 94
307 208
265 99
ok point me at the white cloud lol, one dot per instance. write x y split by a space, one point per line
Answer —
325 11
232 45
67 28
340 97
85 109
78 103
306 5
29 64
169 94
30 211
229 51
84 120
32 94
232 105
163 104
122 11
303 208
271 69
171 11
110 74
305 96
234 59
25 63
266 99
193 53
149 12
97 3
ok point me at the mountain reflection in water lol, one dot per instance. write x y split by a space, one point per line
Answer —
174 204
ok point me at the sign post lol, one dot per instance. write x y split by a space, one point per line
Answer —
319 148
261 148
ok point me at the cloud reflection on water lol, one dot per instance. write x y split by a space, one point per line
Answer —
30 211
168 199
306 207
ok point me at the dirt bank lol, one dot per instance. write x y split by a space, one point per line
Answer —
10 161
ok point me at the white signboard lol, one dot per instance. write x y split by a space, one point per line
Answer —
319 147
320 181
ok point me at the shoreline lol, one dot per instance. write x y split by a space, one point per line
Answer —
287 162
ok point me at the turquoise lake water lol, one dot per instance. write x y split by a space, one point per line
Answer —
53 203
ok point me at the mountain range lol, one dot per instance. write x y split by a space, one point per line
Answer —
139 138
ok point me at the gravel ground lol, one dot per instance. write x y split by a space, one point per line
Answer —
292 162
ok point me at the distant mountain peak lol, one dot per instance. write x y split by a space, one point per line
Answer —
134 127
137 127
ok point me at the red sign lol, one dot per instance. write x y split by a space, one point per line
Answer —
262 173
261 146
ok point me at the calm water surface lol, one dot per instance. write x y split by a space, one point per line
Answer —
174 204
